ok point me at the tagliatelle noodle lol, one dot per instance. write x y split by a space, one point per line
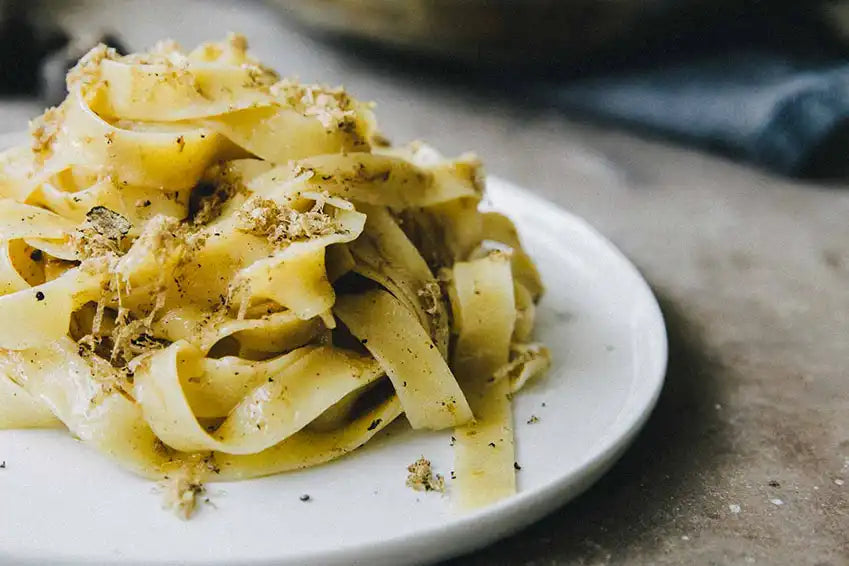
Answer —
209 272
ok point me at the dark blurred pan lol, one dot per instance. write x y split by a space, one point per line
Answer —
519 31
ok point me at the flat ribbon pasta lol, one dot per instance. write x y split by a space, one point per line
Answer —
371 179
279 134
298 393
386 256
20 409
499 228
17 269
100 415
425 385
173 157
310 448
137 204
256 337
16 172
46 309
173 93
24 221
484 309
296 277
211 273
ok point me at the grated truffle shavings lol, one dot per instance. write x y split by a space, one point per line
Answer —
86 73
101 234
45 129
430 295
181 491
282 224
422 478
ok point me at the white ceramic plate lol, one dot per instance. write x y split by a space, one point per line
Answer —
62 503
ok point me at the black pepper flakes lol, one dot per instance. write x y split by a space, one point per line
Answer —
3 465
492 444
305 497
374 424
516 466
39 296
36 255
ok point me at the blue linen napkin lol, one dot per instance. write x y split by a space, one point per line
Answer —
780 112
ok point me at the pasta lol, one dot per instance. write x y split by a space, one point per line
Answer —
209 273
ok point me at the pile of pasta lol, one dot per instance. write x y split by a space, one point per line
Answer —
209 271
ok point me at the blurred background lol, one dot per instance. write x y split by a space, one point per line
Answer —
758 80
706 138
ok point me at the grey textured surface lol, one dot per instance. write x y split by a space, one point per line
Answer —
752 273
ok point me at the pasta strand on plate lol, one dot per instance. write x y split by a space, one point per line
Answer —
207 271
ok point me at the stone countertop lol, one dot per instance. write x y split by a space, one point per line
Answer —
746 459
